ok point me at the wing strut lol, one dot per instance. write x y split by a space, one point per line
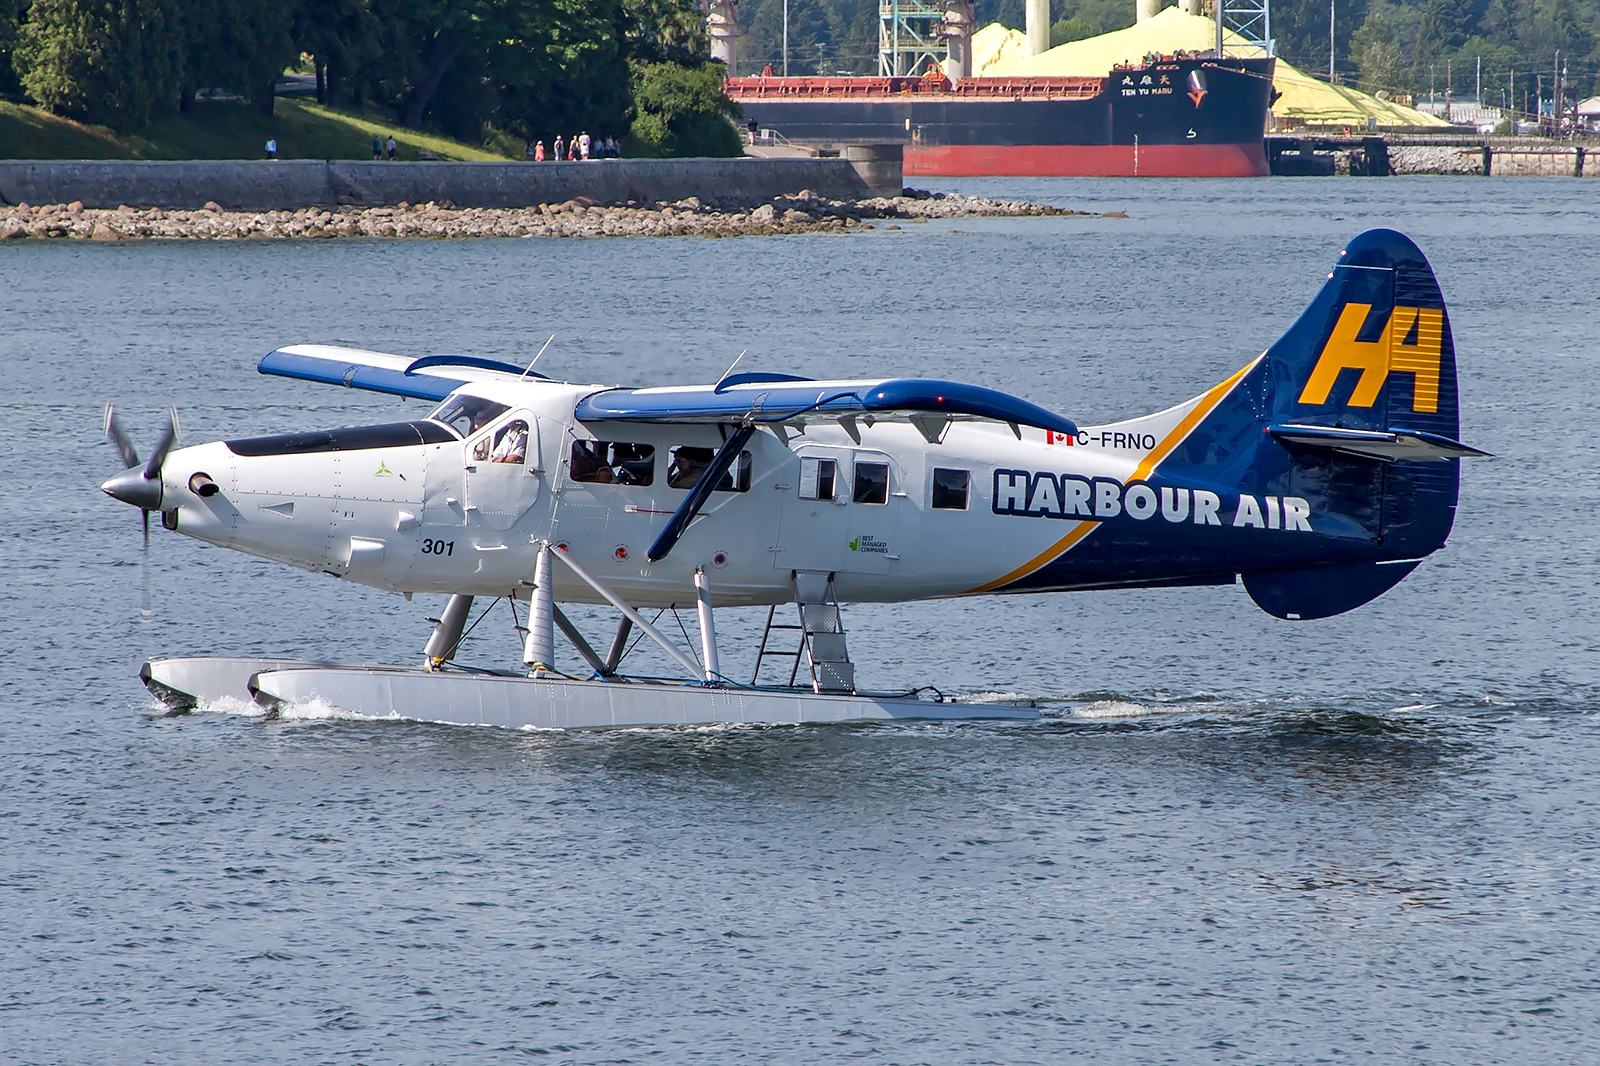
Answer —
701 492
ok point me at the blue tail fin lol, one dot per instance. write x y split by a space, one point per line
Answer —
1360 395
1373 351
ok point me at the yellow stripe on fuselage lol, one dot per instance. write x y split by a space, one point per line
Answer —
1203 407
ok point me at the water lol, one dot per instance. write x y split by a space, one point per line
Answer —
1231 839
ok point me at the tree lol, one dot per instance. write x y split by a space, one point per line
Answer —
12 12
339 35
1072 29
564 72
1375 47
683 110
239 45
112 63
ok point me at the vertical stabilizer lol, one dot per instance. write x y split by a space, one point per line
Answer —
1373 354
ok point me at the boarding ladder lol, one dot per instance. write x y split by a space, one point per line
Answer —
822 643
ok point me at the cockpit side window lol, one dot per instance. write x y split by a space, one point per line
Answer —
467 414
511 443
603 462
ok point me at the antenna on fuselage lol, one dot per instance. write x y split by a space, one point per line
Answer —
547 344
728 371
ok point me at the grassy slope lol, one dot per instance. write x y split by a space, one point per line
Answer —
216 130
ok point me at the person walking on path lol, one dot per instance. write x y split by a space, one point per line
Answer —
561 146
584 143
377 147
538 152
272 148
393 147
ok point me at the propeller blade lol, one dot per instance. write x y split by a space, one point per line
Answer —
152 469
145 613
119 439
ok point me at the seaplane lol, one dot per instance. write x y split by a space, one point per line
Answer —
1317 476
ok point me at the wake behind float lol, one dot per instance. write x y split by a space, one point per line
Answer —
1320 475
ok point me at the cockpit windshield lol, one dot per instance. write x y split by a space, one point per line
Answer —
468 414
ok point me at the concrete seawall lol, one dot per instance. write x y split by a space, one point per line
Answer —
265 185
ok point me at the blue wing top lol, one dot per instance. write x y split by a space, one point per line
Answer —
397 375
766 398
792 401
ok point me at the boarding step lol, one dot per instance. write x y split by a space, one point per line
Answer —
822 639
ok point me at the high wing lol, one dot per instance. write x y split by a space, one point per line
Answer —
397 375
927 403
771 399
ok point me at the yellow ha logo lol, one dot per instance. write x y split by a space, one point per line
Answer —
1409 345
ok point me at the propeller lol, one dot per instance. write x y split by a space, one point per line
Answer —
140 487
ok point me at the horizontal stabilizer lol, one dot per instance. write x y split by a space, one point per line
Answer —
1387 445
397 375
767 402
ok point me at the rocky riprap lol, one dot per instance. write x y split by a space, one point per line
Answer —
801 213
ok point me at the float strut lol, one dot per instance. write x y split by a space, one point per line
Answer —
570 631
694 668
447 634
708 628
540 650
619 646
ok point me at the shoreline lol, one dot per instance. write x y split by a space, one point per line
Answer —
804 212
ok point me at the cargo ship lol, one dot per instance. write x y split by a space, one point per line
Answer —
1170 116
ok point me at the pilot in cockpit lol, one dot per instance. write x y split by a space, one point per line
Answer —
511 446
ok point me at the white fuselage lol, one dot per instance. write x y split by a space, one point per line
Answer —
446 518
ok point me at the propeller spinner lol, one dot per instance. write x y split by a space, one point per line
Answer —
136 486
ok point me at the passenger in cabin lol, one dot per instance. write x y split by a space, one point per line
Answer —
511 445
686 467
588 461
612 463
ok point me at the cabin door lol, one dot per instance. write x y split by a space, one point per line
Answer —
502 468
840 513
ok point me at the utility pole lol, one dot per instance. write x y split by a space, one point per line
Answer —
1555 95
1480 81
785 38
1331 4
1448 77
1561 107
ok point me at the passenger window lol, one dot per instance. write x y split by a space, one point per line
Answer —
687 464
817 477
952 489
468 414
602 462
872 483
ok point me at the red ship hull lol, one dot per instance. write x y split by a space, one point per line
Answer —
1088 160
